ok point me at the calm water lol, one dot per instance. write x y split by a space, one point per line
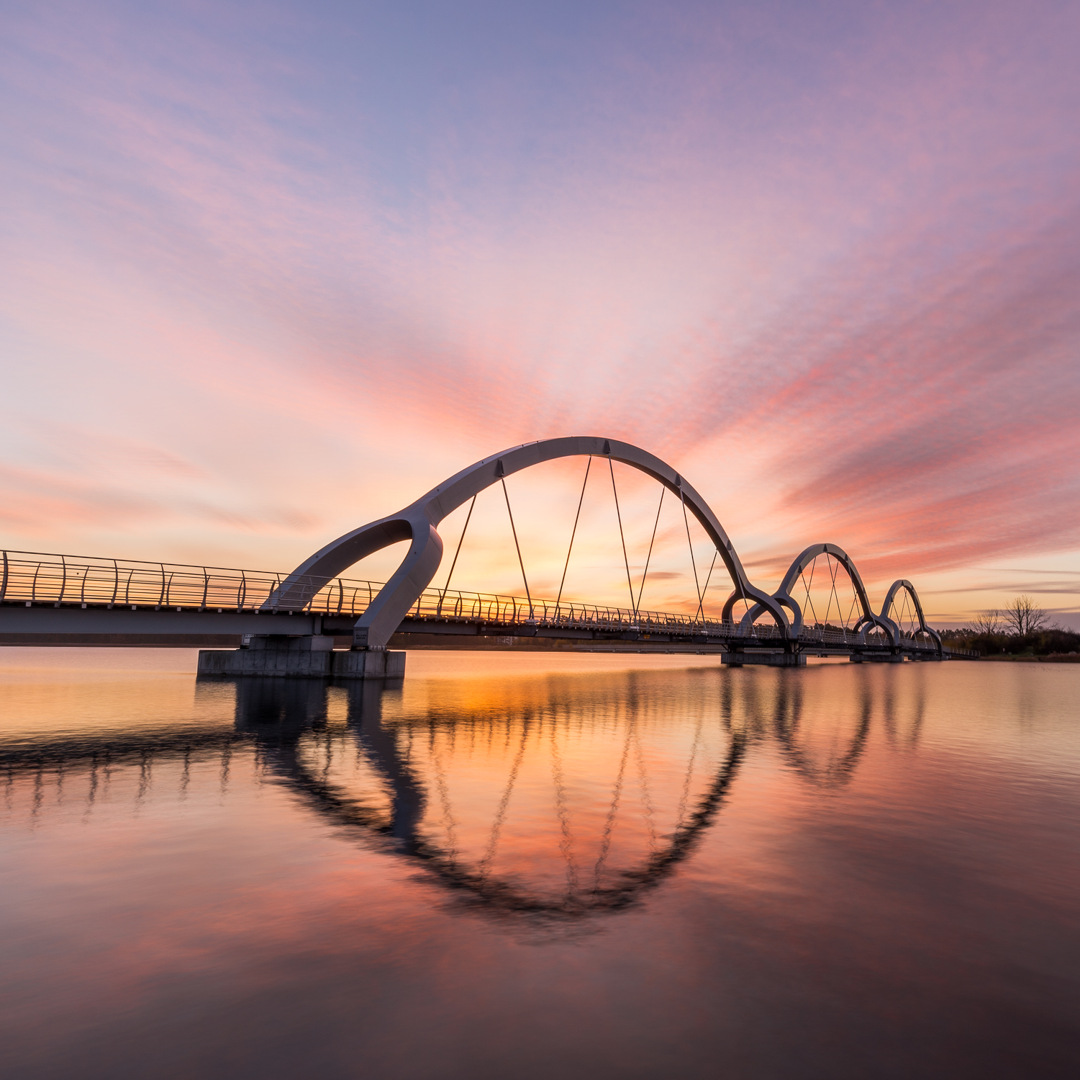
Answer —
519 867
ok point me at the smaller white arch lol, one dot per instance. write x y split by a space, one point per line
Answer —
886 610
799 564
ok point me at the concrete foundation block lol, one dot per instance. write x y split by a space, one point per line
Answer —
765 659
368 664
265 662
310 657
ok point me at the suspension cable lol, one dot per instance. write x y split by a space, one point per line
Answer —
854 602
573 532
457 552
708 578
521 561
834 569
690 544
807 585
622 536
637 606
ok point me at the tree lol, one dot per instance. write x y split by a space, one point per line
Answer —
987 623
1022 616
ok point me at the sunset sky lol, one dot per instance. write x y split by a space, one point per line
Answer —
272 270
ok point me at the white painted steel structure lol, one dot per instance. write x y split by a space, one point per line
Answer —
315 600
418 523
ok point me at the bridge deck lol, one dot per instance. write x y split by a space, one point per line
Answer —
61 599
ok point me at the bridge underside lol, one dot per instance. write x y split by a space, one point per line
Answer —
296 634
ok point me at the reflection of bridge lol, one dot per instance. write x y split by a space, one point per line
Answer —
389 781
290 624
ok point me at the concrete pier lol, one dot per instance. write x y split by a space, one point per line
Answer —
766 659
307 656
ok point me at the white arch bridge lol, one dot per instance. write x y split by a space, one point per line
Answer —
315 622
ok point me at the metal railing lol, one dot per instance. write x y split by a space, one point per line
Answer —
63 580
33 578
66 580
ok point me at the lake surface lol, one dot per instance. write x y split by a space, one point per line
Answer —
527 866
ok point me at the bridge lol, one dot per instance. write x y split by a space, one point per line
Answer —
316 622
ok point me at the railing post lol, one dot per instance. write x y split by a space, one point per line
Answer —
3 578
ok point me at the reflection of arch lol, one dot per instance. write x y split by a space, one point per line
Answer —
837 773
896 738
886 609
418 523
783 593
283 719
280 747
278 712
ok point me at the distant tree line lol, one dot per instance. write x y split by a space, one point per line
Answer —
1022 628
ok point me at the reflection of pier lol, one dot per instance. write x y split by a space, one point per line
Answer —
389 780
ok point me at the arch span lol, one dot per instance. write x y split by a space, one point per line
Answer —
886 612
800 563
419 521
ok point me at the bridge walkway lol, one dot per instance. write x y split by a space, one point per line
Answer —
63 599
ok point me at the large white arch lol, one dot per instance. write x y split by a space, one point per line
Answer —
418 522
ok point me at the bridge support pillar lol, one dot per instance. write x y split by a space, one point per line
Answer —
872 658
308 656
767 659
368 664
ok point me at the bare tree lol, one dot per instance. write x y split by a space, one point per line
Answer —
988 622
1023 617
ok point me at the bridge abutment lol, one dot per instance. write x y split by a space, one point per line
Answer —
309 656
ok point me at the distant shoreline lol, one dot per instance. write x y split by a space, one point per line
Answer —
1053 658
